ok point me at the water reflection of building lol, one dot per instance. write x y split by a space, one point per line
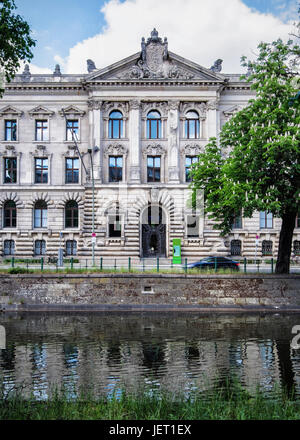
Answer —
154 357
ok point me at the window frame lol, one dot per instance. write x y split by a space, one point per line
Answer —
188 226
72 247
43 138
43 217
42 247
150 121
67 170
263 220
118 216
154 168
10 241
69 132
11 169
69 215
42 169
120 125
115 167
187 124
187 156
12 217
11 129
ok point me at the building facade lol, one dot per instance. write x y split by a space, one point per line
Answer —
139 125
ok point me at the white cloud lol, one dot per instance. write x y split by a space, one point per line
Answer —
200 30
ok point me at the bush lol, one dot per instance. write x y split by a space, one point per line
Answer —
16 270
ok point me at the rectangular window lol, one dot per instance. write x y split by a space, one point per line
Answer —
237 222
72 128
266 220
153 168
40 247
115 168
298 221
192 226
189 161
40 218
11 130
114 226
153 129
72 170
41 170
192 128
71 247
41 130
10 170
9 247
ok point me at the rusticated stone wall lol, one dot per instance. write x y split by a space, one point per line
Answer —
136 289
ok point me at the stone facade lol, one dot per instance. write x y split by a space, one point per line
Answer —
46 196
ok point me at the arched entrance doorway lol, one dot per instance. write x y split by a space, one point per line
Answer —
153 232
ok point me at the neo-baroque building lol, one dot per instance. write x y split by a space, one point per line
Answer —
140 124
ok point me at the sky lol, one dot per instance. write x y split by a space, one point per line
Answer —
68 32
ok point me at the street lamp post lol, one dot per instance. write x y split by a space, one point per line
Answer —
90 151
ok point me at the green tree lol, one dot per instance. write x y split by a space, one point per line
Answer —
255 166
15 41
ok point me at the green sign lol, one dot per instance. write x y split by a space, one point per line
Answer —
176 251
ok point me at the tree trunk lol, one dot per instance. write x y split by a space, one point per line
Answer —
285 242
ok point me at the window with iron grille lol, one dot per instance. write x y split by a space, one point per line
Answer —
265 220
39 247
114 226
41 170
235 247
72 127
296 247
72 170
153 125
10 170
192 226
71 247
192 125
153 168
189 161
71 214
11 130
40 214
267 247
115 125
10 214
9 247
115 168
41 130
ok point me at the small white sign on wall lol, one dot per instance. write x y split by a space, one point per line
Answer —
2 338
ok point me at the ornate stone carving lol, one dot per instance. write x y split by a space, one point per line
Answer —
154 62
161 106
217 66
11 196
231 111
200 107
94 105
212 104
154 150
90 66
134 104
191 150
115 150
108 106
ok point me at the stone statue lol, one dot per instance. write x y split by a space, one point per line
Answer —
217 66
90 66
26 75
57 71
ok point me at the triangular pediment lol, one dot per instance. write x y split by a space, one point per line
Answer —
40 110
10 110
174 67
72 110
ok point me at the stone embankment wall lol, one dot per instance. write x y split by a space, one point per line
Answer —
160 289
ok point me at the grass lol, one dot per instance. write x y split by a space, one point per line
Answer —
231 402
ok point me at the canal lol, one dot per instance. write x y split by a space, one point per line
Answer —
106 352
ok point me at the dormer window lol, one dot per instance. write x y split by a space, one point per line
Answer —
192 125
154 125
115 125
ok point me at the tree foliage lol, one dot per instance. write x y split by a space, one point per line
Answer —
15 40
256 164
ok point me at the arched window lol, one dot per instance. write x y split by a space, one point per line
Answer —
71 247
71 214
267 247
153 125
296 247
9 247
39 247
10 214
192 125
115 125
40 214
235 247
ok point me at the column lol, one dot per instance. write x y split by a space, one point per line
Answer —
95 123
135 136
173 142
